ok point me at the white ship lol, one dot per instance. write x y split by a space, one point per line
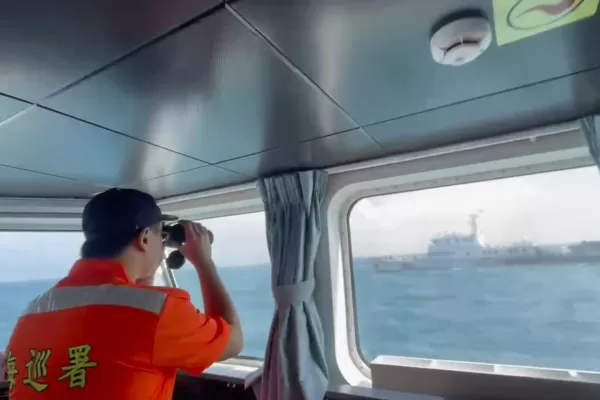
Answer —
457 250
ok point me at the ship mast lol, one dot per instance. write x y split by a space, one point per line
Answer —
473 224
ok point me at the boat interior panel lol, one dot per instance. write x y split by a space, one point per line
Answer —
48 46
190 387
43 140
16 182
177 97
187 387
374 58
222 90
532 106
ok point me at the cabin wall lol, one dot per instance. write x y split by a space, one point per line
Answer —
334 290
188 387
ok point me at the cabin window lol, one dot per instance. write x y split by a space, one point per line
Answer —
32 262
242 258
533 308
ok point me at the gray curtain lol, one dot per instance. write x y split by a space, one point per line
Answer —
593 138
294 366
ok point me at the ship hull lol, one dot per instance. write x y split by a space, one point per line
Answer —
449 263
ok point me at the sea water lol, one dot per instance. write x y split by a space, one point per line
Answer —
546 316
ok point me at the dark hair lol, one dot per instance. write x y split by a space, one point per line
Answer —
111 248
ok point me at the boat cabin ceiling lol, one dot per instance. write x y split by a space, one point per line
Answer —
179 96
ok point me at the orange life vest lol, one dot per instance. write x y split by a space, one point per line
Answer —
97 335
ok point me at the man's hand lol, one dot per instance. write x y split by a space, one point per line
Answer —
217 302
197 248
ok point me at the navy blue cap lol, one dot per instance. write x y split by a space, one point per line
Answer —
118 214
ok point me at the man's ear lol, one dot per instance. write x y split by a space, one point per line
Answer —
141 242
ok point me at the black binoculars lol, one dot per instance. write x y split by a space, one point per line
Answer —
174 236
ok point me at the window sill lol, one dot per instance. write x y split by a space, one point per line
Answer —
479 380
347 392
236 371
230 373
485 368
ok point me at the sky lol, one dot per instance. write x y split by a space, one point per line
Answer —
556 207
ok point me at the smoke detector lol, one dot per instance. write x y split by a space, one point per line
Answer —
461 41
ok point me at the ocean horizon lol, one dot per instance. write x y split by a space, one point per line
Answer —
541 316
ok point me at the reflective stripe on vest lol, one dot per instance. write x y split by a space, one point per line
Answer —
63 298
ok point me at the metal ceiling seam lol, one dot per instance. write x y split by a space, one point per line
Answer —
190 170
17 114
279 148
13 97
141 47
470 145
121 134
7 120
44 173
193 169
281 56
230 170
478 98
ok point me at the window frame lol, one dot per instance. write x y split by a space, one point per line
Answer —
229 202
524 153
64 215
40 215
558 147
170 278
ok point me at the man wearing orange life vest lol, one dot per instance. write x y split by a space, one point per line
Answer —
102 333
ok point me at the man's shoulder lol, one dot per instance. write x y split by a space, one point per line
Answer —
169 292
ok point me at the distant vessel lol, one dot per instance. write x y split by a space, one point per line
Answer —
456 250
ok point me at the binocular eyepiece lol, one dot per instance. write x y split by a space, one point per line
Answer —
174 236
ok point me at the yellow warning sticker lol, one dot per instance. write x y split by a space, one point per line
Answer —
518 19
